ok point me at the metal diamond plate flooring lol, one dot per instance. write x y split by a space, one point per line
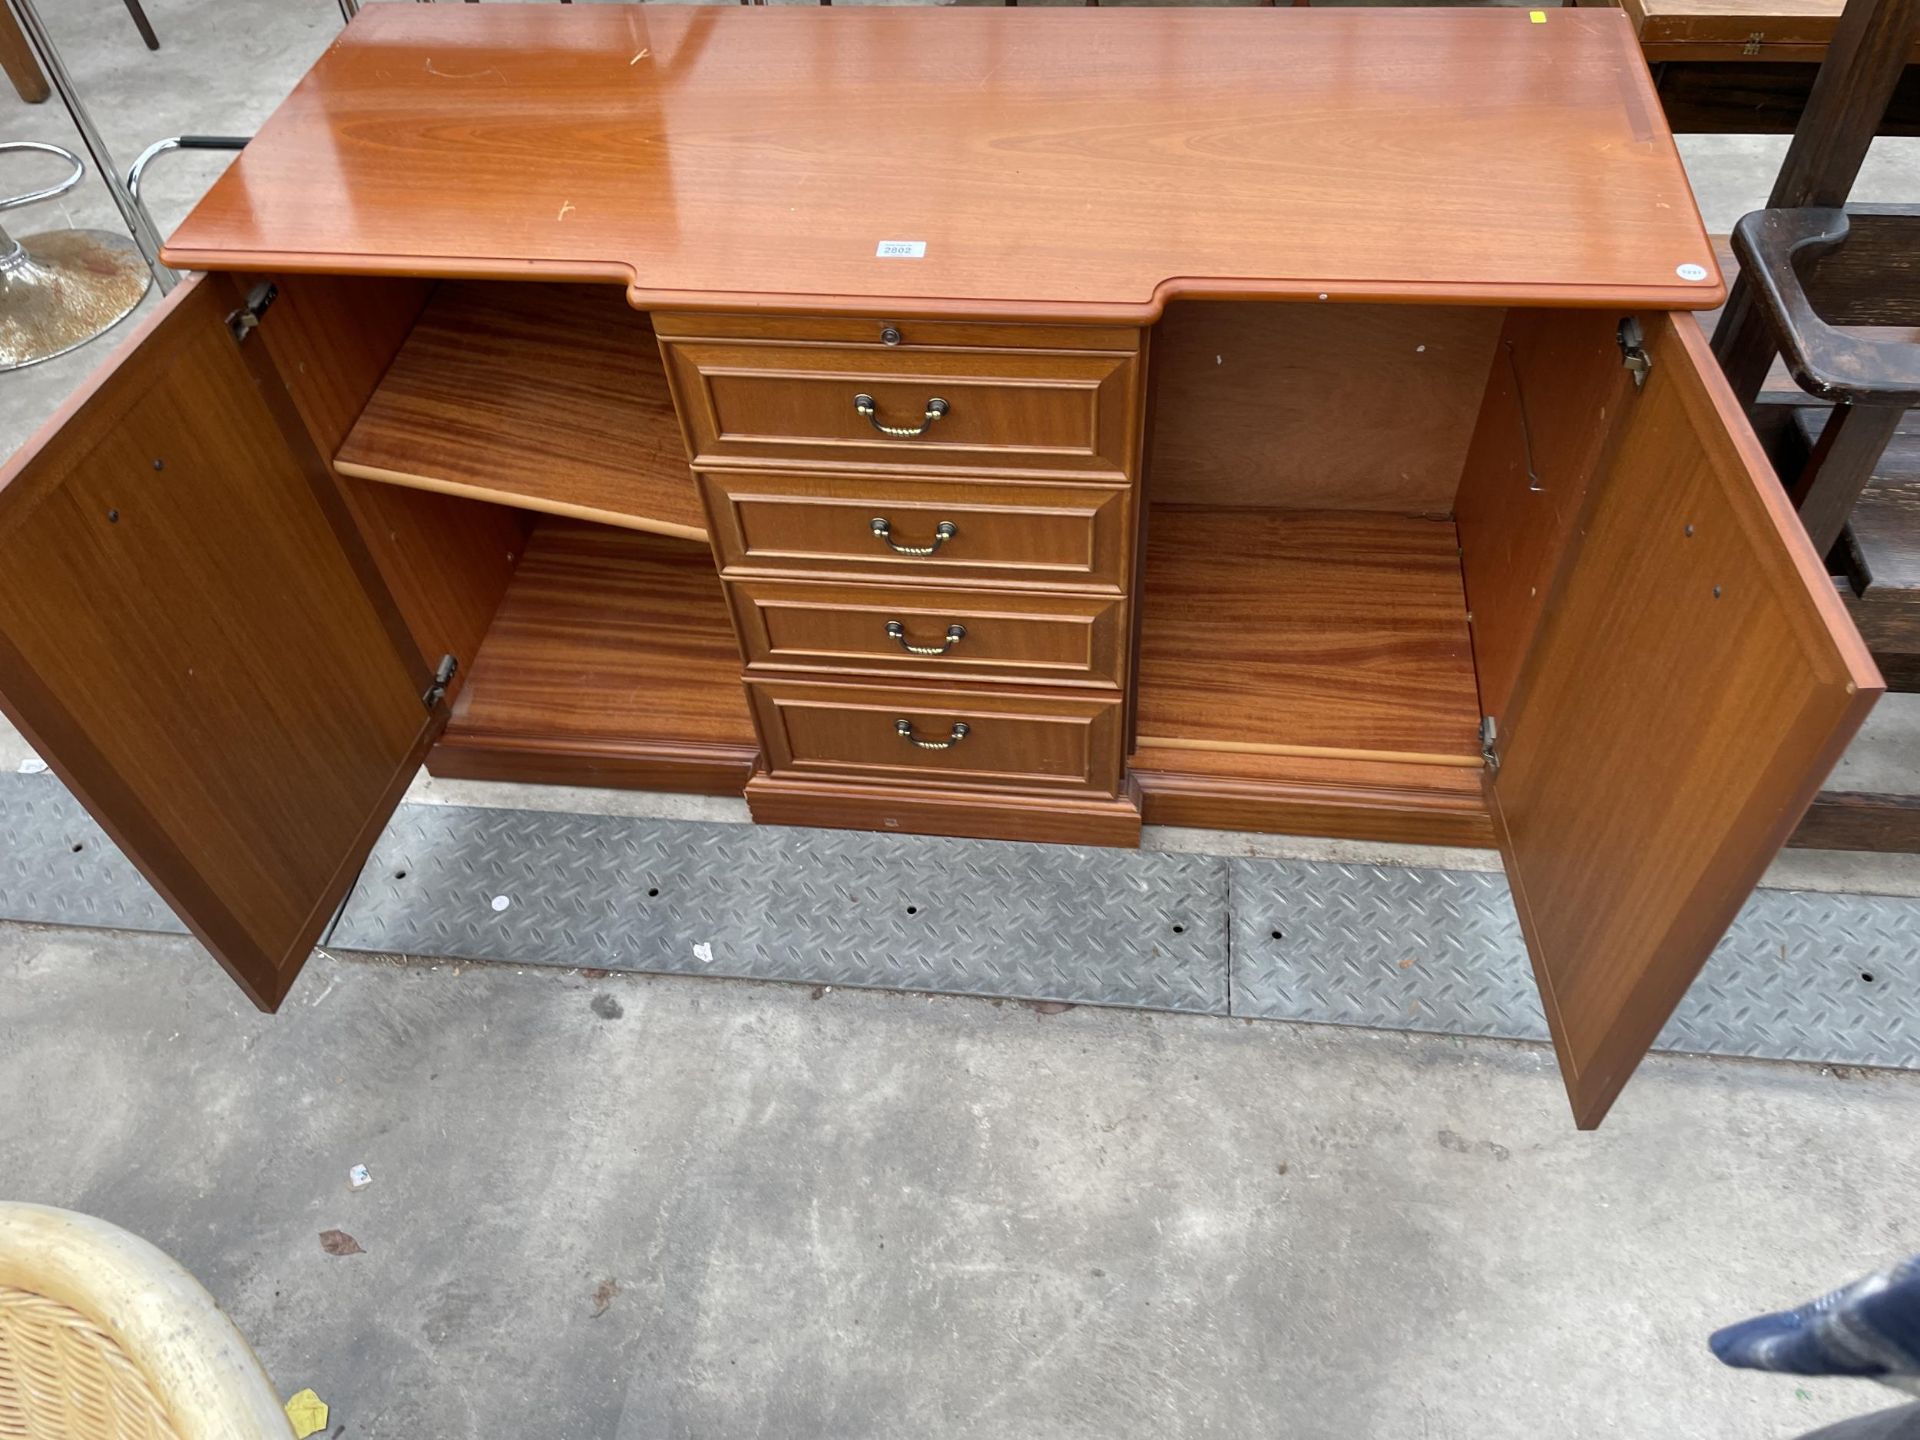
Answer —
1802 976
58 868
972 917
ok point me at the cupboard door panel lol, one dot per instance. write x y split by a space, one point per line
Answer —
193 636
1691 681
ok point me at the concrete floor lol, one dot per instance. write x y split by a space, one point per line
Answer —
651 1208
631 1207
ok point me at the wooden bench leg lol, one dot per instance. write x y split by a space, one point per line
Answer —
1842 462
17 59
142 24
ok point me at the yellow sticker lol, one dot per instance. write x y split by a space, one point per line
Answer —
1538 17
308 1412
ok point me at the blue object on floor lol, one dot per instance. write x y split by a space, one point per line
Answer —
1870 1328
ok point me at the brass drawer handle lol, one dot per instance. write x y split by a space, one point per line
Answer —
904 729
942 533
955 634
936 408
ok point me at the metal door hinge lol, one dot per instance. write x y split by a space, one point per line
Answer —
1489 732
244 321
442 677
1633 351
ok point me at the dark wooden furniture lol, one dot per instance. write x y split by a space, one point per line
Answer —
1748 66
1806 269
1039 422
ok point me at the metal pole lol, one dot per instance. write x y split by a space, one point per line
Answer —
139 222
348 9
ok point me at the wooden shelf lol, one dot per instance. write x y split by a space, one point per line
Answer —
1306 632
1356 799
548 397
611 662
1307 672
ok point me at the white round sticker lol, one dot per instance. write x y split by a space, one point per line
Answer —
1691 272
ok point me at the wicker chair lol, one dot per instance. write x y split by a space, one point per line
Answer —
102 1335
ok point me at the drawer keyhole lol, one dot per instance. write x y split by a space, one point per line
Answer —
955 634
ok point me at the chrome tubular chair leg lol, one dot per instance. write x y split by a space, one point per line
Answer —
61 288
139 223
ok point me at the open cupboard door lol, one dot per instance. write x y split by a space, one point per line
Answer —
1684 682
194 636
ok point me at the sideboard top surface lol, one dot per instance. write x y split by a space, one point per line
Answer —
1059 163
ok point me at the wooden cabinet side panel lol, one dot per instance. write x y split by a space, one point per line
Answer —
446 560
1691 682
189 638
1552 398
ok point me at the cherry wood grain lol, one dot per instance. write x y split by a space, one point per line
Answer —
1076 412
1692 680
1316 407
611 661
445 560
1556 378
1057 163
549 397
193 638
1005 635
1016 740
1344 798
1030 535
1305 632
908 809
905 336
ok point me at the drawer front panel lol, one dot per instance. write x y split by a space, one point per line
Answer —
1071 640
1068 745
1007 533
905 337
1001 409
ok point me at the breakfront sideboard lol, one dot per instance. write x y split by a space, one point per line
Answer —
999 423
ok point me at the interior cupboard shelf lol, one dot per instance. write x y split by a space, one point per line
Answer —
1336 634
611 661
548 397
1308 672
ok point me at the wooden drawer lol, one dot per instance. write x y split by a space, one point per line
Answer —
1005 533
984 634
1062 744
908 336
1052 411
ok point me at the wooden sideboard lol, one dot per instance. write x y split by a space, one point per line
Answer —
1006 423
